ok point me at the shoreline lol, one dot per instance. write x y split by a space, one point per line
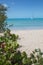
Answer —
26 30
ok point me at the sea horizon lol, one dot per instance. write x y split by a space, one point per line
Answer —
25 23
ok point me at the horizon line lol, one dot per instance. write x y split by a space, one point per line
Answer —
25 18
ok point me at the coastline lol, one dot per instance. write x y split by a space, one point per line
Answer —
29 39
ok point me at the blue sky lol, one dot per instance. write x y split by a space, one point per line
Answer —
24 8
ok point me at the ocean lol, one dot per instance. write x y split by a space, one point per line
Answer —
25 23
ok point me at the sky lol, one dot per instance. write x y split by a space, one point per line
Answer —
24 8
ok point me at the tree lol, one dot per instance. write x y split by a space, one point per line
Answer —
3 17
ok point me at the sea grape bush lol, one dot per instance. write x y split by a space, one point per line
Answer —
37 57
10 55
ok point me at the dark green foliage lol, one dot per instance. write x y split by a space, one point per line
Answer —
10 55
24 55
3 17
9 36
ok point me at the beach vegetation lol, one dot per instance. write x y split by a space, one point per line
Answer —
10 55
3 17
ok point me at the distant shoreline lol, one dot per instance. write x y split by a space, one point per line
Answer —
25 29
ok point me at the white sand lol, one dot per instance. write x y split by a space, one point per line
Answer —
30 39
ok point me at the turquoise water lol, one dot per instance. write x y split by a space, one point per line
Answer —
26 23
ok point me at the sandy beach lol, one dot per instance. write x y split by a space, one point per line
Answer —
30 39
